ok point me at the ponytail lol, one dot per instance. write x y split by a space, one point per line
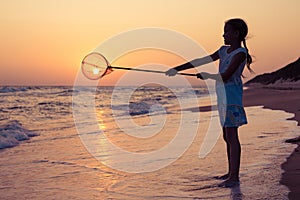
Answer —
248 58
241 26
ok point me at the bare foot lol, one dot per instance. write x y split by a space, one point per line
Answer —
229 183
223 177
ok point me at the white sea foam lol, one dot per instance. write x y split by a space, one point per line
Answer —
280 84
12 133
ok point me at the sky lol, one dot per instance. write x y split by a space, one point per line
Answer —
44 41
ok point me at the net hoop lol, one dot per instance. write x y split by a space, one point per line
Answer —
96 58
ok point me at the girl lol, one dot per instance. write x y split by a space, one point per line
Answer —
233 58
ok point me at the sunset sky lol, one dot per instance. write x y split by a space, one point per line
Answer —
44 41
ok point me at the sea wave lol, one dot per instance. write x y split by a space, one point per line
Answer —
12 133
6 89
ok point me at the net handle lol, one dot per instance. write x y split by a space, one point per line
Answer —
147 70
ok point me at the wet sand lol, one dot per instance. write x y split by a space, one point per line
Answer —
289 101
275 98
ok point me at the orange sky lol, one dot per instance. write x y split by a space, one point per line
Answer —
43 42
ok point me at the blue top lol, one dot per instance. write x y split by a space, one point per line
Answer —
234 85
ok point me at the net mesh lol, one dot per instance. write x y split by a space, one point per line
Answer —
95 66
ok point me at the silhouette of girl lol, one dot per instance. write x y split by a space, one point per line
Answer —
233 59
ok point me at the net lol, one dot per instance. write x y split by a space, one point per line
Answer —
95 66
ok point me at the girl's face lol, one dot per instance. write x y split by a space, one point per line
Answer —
230 35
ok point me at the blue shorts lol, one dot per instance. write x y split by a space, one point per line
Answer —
232 115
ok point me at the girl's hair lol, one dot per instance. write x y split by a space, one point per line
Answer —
241 26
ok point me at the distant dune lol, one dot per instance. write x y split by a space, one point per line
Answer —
286 77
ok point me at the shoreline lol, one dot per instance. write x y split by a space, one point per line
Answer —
286 100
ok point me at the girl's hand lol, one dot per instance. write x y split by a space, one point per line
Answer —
200 76
203 75
171 72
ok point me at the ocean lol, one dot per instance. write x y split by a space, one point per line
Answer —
130 143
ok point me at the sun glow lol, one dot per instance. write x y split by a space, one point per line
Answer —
95 71
101 124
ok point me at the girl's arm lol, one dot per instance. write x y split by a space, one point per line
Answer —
233 66
194 63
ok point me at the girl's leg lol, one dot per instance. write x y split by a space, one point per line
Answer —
226 176
234 151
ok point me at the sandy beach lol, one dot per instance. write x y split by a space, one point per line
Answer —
287 100
278 98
